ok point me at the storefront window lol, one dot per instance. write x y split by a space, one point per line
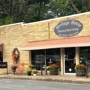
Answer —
45 57
84 54
52 56
38 58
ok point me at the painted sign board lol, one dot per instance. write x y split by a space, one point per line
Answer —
68 28
3 64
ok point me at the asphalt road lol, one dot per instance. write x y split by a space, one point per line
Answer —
16 84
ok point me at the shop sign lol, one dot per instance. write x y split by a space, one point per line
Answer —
3 64
68 28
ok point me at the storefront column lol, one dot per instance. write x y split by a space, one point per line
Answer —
30 56
62 61
77 55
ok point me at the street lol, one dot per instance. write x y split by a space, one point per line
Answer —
17 84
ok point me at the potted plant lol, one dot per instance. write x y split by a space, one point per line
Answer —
80 69
29 71
34 71
29 68
30 65
14 67
54 69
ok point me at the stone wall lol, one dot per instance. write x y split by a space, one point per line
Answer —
15 35
83 18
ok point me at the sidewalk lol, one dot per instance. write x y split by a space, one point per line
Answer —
58 78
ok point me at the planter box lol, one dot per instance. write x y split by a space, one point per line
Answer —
80 72
53 72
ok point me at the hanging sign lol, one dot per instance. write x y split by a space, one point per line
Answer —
68 28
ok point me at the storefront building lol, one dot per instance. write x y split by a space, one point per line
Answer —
64 41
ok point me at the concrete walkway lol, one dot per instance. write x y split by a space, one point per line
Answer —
58 78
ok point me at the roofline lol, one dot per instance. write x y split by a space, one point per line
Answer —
12 24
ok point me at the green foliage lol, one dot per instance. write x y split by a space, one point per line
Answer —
29 70
14 11
5 21
34 71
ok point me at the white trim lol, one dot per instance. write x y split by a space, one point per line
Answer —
69 73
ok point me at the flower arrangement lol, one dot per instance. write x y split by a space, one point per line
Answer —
30 65
15 55
29 70
34 71
53 67
80 67
14 67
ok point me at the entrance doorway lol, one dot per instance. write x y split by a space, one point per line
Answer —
69 61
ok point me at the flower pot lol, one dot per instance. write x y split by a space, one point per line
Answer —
34 74
53 72
29 73
80 72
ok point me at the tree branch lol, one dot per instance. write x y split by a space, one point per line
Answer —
86 5
71 2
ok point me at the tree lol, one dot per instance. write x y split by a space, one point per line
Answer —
13 11
80 5
23 10
60 7
68 7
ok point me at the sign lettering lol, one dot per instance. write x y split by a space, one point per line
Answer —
68 28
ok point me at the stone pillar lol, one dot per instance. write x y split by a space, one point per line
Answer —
30 56
62 61
77 55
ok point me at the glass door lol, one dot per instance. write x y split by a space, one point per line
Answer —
70 61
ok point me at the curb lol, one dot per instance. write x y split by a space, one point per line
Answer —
45 79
